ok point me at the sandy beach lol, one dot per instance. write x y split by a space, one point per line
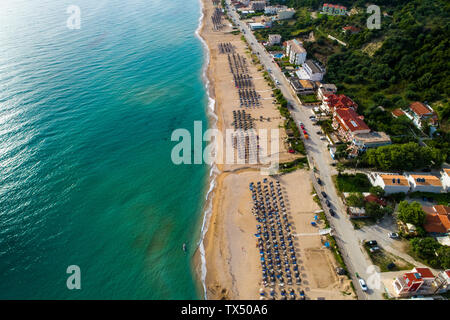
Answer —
232 256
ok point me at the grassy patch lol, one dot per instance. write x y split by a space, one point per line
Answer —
382 259
352 182
293 165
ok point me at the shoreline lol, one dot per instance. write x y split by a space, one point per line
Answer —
199 258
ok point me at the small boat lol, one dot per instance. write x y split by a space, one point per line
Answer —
184 247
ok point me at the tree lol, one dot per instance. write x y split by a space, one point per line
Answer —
411 213
340 168
444 257
374 210
378 191
426 249
355 199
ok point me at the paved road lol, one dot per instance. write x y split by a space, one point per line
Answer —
318 155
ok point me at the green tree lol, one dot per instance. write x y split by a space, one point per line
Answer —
411 213
426 249
444 257
378 191
374 210
355 199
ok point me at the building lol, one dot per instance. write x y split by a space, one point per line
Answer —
256 25
349 123
295 52
398 113
437 220
334 9
420 113
333 101
302 86
274 9
372 139
286 14
258 5
274 39
351 29
326 88
425 183
311 70
374 199
356 213
417 281
441 283
445 179
390 183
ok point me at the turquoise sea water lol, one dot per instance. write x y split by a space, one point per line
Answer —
85 172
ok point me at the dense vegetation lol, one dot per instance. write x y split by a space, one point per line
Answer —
408 156
406 60
431 251
352 182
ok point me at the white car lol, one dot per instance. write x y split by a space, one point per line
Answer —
277 82
394 235
363 285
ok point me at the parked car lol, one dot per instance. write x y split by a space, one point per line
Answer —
372 243
328 203
363 285
324 194
374 249
323 138
332 212
394 235
319 181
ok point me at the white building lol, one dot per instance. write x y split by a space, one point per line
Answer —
390 183
295 52
274 9
274 39
326 88
425 183
445 179
256 25
286 14
311 70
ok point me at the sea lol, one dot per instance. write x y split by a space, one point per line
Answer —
90 94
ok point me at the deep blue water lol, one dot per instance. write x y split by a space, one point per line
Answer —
85 171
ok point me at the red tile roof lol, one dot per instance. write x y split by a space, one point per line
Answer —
425 272
419 108
352 29
335 101
350 120
374 198
437 219
398 112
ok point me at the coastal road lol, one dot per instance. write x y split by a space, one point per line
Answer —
350 245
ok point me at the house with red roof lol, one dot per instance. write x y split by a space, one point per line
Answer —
398 113
333 101
375 199
350 29
421 113
417 281
437 220
349 123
